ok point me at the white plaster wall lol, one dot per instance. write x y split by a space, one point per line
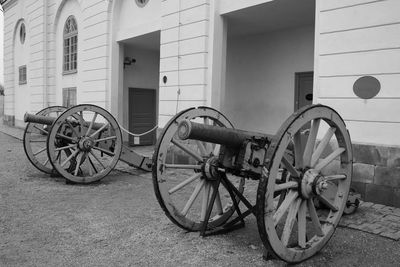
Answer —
184 56
357 38
133 20
71 7
22 91
260 77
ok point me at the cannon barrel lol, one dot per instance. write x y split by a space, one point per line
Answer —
46 120
39 119
214 134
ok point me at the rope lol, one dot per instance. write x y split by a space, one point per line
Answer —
137 135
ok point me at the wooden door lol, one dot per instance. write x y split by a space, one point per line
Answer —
142 116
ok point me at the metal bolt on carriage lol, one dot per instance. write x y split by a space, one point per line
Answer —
208 176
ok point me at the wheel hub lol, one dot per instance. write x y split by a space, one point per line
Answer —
86 144
210 168
312 184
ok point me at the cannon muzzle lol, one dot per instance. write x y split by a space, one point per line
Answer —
214 134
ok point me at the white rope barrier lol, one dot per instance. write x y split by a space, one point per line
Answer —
137 135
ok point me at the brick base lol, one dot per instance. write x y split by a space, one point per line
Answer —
376 173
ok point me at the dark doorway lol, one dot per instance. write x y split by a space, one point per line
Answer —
142 116
303 89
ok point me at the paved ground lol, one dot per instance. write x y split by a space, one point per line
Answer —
118 222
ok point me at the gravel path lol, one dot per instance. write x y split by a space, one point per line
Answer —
118 222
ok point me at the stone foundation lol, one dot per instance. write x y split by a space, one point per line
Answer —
376 173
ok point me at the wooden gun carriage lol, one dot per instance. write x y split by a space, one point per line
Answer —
204 171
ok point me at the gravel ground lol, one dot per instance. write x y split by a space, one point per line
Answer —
118 222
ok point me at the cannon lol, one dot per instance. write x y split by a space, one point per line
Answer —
205 171
82 144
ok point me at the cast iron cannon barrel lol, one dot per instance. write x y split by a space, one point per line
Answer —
215 134
46 120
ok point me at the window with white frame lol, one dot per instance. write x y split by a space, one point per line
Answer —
70 46
69 97
22 74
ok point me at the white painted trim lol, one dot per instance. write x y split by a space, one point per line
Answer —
139 30
227 6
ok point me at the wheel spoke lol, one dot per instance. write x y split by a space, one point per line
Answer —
107 152
216 149
187 150
184 183
69 158
327 202
291 196
311 142
204 204
290 220
329 158
183 166
92 164
37 141
194 195
285 186
98 160
78 163
201 148
40 129
65 147
40 151
301 224
322 145
66 137
100 129
72 128
298 150
45 163
335 177
314 217
91 124
105 139
290 167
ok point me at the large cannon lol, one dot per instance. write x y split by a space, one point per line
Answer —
306 165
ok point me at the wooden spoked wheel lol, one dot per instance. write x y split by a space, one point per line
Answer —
84 144
180 183
291 227
35 140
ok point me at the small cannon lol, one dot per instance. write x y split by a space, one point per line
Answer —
308 161
83 143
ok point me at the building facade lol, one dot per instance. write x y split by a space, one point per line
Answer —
255 60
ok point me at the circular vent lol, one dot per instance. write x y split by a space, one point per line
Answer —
366 87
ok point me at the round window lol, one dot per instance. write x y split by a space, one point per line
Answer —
22 33
141 3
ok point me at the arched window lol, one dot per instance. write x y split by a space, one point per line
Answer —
70 45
